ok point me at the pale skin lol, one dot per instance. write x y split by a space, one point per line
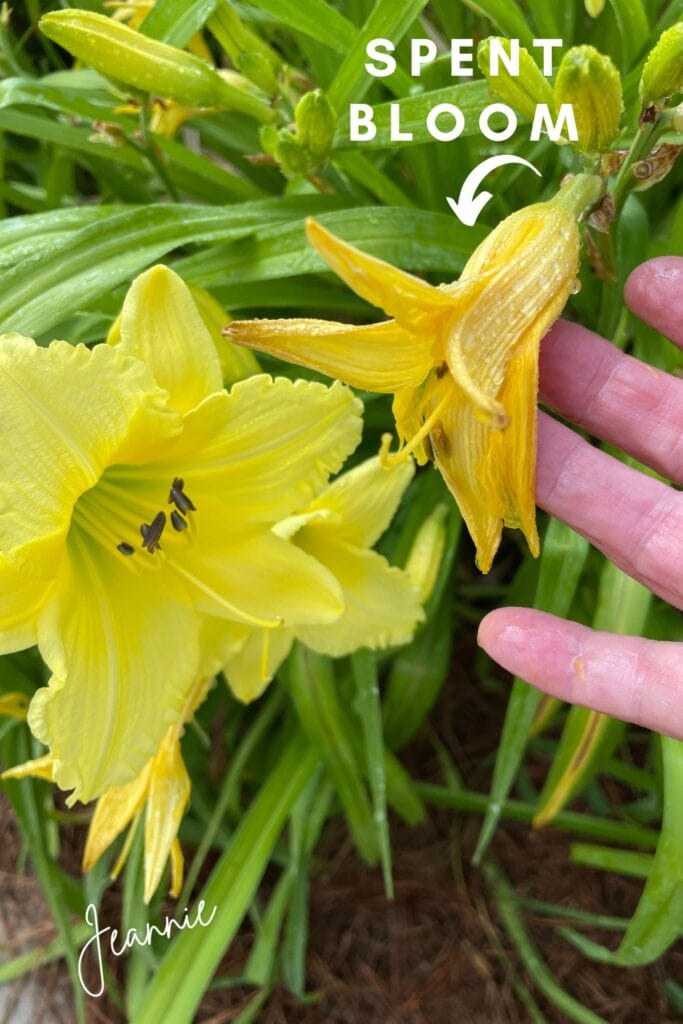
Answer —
635 520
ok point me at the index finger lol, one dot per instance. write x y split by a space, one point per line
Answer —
654 291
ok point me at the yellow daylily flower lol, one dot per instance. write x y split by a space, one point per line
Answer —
382 606
461 359
137 503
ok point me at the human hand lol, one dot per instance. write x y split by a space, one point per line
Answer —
636 521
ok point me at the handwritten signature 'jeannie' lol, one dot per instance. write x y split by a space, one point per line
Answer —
132 938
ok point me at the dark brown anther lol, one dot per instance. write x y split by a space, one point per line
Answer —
178 497
151 532
647 116
441 370
177 521
125 549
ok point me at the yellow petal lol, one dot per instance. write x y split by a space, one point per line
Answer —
524 272
250 670
177 869
460 443
169 794
161 325
115 810
379 357
512 452
20 598
362 501
382 607
123 661
263 451
38 768
67 412
257 578
400 295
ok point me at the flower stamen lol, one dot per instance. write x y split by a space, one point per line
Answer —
392 459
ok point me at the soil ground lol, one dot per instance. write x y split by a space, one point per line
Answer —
437 953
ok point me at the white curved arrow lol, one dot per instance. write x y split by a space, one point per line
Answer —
469 205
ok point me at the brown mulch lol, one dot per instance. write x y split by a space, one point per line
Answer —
436 954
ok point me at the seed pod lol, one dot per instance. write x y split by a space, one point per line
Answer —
523 92
591 83
315 123
663 72
119 52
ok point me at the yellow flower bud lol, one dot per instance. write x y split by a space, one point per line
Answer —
590 82
663 72
119 52
424 560
522 92
594 8
315 124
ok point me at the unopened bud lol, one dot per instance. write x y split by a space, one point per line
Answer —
119 52
260 70
523 92
594 8
663 72
424 560
315 124
591 83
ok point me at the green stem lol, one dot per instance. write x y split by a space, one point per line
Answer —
516 810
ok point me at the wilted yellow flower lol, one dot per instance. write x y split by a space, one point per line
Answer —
460 359
381 602
137 504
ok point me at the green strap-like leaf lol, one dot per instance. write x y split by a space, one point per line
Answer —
562 560
185 971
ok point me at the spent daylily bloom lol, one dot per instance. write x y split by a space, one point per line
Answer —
461 359
338 528
137 500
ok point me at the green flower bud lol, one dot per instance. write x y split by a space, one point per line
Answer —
663 72
591 83
119 52
255 66
523 92
594 8
315 124
424 560
291 155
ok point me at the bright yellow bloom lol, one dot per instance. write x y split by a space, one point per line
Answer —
338 528
461 360
137 500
